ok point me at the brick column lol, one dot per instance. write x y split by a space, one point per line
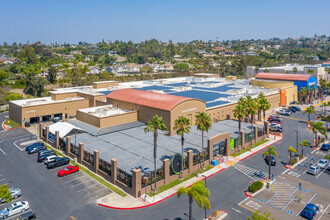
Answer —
136 182
81 153
166 170
267 129
227 146
243 139
47 132
68 145
255 134
113 171
41 127
57 140
190 155
96 161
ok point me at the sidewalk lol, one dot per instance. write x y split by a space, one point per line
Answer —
116 202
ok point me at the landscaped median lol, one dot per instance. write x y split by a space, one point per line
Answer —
218 215
254 188
91 174
295 162
10 124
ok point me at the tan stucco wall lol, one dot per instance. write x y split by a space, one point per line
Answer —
271 84
62 96
291 94
28 112
101 85
92 98
107 121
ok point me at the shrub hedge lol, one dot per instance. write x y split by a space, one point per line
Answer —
255 186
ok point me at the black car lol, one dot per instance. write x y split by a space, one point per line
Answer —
274 119
28 216
42 157
293 103
34 145
292 109
295 108
37 149
59 161
272 161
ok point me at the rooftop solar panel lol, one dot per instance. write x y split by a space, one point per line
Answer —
216 103
106 92
202 95
218 89
147 88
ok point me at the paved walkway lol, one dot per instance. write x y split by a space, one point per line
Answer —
129 202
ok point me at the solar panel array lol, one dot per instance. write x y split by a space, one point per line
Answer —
216 103
202 95
147 88
106 92
223 88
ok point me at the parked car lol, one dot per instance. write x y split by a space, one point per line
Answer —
14 209
68 170
270 160
322 163
275 122
50 159
325 147
292 109
275 128
293 103
28 216
287 110
275 116
45 155
59 161
274 119
37 149
15 193
295 108
56 119
328 168
282 112
309 211
314 170
34 145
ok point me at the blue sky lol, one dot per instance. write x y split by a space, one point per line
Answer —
179 20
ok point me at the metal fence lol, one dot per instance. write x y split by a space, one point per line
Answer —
62 144
88 157
249 136
124 177
197 158
105 166
149 178
261 132
74 149
238 141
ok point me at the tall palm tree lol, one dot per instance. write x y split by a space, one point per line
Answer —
318 127
311 90
291 150
203 123
270 151
157 123
251 109
240 112
197 192
302 94
309 111
324 106
263 105
303 144
182 126
322 86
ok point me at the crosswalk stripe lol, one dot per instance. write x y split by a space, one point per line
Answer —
250 172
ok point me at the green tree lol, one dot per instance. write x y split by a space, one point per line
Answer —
309 111
182 126
322 86
181 67
3 76
5 193
290 151
324 106
258 216
251 109
13 96
157 123
34 85
198 193
270 151
52 72
303 144
263 105
146 69
203 123
318 127
240 112
295 70
302 94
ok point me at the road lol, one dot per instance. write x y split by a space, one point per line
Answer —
53 198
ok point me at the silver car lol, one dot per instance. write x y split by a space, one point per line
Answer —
15 193
13 209
322 163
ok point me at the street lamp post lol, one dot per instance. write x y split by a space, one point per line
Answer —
205 187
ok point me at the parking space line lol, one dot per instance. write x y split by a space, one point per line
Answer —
324 212
81 183
74 179
95 192
88 187
3 151
319 174
2 180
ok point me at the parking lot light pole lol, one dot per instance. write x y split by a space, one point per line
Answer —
297 140
205 187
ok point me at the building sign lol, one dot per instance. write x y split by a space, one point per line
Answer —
312 83
30 111
189 110
310 71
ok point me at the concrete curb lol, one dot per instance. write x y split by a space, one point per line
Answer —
300 161
4 127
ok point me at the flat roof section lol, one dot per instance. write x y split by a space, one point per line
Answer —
43 101
104 111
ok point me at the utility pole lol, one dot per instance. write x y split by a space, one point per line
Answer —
297 140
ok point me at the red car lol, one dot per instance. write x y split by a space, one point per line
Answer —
68 170
277 122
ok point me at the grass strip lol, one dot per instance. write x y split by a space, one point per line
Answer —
89 173
178 181
249 148
11 123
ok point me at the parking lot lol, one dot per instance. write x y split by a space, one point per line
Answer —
282 199
39 185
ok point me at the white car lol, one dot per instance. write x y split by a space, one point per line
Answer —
314 170
322 163
13 209
50 159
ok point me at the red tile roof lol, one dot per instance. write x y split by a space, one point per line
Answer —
283 76
149 99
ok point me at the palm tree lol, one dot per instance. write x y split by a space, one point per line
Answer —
182 125
197 192
311 90
270 151
240 112
291 150
324 106
318 127
263 105
302 94
157 123
303 144
251 109
309 111
203 123
322 86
